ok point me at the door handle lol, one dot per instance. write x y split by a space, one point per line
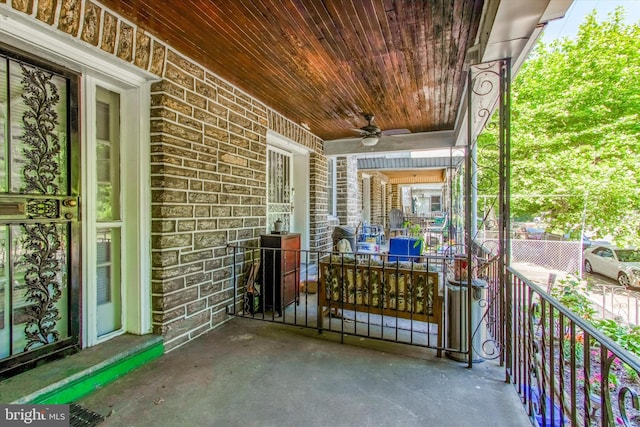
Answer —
69 208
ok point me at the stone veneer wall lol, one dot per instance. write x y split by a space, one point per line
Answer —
209 143
376 180
396 203
347 191
208 166
319 222
377 213
208 180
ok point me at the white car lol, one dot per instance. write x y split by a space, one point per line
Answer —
622 265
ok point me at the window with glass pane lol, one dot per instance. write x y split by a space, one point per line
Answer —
103 266
436 204
107 155
108 292
108 213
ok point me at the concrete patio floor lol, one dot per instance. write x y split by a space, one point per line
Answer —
250 373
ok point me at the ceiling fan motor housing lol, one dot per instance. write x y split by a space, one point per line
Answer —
370 129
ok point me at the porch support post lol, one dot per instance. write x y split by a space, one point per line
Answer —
469 215
473 172
504 219
487 173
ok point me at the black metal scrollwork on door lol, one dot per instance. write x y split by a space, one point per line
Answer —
42 241
43 285
48 208
42 146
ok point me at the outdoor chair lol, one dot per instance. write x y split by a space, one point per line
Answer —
396 223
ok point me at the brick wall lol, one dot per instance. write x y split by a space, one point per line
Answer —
395 201
376 179
377 213
321 229
347 192
208 173
208 167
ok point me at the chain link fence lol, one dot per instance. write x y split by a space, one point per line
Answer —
550 254
542 260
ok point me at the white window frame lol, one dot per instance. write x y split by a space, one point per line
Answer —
432 203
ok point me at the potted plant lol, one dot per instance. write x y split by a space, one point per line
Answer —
415 231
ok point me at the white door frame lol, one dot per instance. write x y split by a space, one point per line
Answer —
300 178
24 33
135 232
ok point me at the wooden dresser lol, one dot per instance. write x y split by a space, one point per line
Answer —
280 270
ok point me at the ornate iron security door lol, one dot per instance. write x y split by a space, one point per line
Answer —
39 304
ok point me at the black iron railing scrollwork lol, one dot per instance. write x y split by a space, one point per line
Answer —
486 200
486 331
566 371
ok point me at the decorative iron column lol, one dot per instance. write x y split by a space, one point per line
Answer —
504 222
487 174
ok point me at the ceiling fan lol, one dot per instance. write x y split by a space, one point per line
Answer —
371 133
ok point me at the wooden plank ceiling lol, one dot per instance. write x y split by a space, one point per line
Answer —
325 62
415 176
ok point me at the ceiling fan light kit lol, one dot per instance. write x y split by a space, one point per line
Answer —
370 140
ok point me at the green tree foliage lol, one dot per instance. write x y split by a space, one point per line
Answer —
575 131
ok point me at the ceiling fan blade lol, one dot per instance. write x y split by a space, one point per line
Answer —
392 132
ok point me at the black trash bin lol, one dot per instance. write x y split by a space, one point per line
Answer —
348 233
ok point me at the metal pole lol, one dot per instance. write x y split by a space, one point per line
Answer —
468 227
474 188
504 242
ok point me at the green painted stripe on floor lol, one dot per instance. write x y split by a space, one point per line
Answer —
77 389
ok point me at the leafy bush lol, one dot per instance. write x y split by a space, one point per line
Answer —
627 336
572 294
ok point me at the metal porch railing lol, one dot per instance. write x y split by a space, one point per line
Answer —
616 303
566 371
364 295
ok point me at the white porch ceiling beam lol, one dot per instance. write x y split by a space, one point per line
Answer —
391 144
